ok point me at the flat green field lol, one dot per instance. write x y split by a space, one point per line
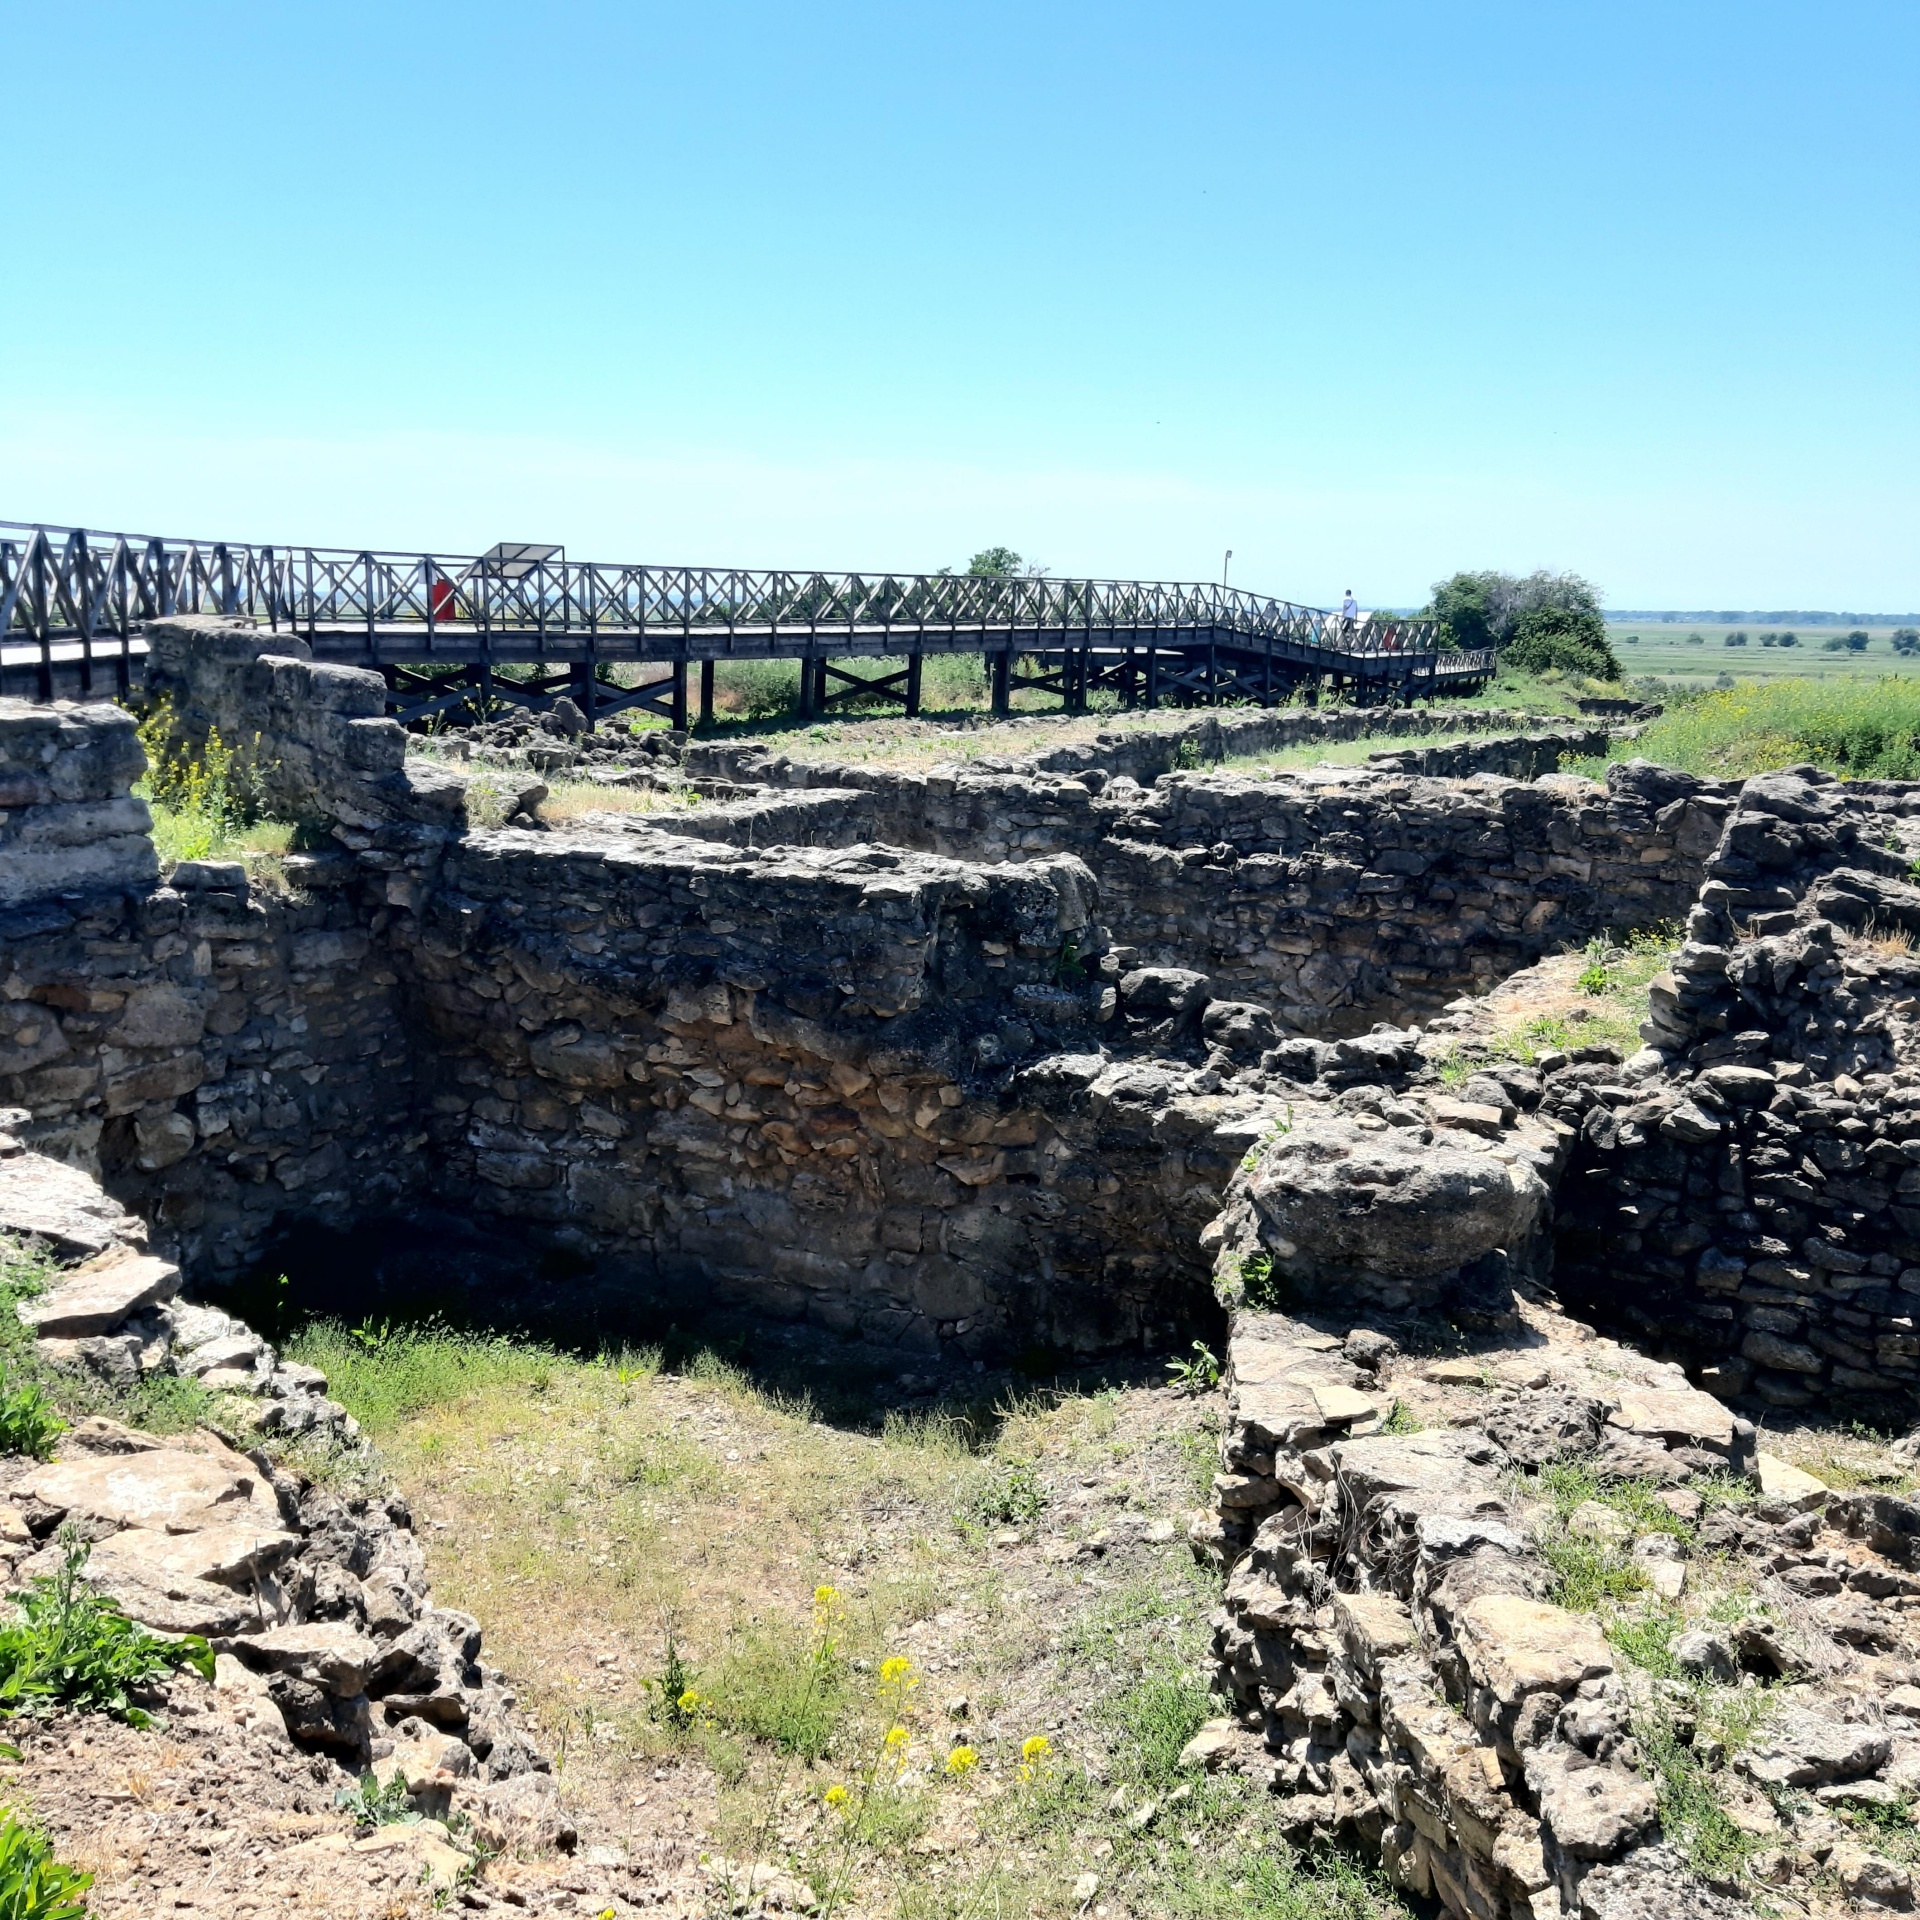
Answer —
1666 653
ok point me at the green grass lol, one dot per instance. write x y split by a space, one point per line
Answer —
387 1375
1571 1485
599 1499
1863 724
1587 1574
1615 979
782 1685
186 833
1665 652
1209 1849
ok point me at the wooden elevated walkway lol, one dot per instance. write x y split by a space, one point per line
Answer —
441 629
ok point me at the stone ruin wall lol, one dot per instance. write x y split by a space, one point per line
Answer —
984 1087
893 1093
506 1020
503 1020
1335 900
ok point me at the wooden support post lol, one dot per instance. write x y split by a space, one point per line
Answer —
806 689
1153 676
1002 664
820 684
583 687
680 696
913 686
706 693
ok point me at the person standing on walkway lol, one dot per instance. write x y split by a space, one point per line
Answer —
1349 613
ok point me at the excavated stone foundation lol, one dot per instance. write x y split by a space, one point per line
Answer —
1088 1053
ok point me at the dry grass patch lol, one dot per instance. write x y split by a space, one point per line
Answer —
571 800
698 1589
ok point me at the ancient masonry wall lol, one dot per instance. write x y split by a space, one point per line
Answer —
791 1082
1336 899
907 1107
67 819
227 1059
311 737
1758 1169
1209 738
785 1077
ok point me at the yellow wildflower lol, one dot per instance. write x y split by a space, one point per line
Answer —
897 1673
837 1796
688 1701
1035 1747
962 1761
896 1738
825 1599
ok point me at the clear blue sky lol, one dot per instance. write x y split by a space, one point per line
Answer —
1365 292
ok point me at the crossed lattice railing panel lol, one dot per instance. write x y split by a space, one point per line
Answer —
67 584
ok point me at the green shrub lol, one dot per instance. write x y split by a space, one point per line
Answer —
33 1884
71 1648
1012 1498
374 1805
757 689
1566 639
28 1423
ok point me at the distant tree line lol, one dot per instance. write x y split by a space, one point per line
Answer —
1538 623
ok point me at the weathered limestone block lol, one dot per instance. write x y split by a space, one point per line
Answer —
68 820
1335 1198
171 1491
99 1296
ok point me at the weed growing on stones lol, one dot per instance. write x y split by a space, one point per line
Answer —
1276 1129
1572 1485
70 1648
28 1423
372 1804
1261 1288
1588 1573
33 1884
1198 1374
1691 1815
1889 1829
